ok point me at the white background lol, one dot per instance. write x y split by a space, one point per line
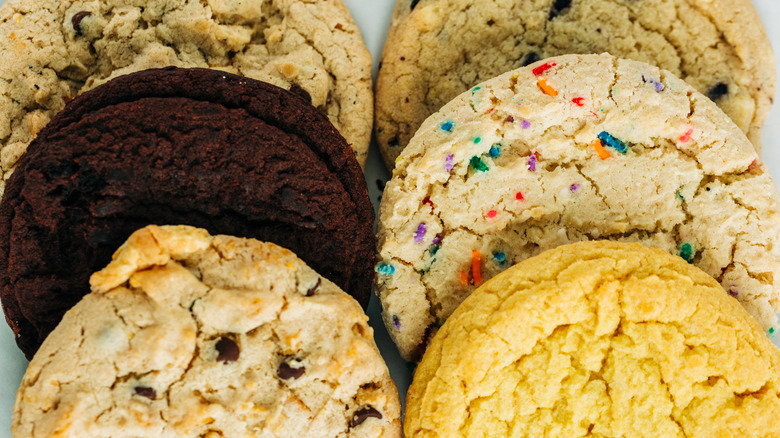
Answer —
373 18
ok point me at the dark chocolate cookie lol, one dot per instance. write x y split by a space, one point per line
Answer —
177 146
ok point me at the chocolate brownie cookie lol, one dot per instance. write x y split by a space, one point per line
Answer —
189 335
598 339
53 50
438 49
183 146
579 147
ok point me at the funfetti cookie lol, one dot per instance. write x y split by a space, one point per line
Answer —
578 147
183 146
438 49
189 335
598 339
53 50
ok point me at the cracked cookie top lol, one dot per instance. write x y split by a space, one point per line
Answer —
177 146
189 335
599 339
52 50
437 49
578 147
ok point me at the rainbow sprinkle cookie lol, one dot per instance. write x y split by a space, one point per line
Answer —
437 49
189 335
612 155
599 339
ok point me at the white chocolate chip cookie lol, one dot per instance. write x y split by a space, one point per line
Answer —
189 335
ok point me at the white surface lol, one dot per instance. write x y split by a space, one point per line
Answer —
373 17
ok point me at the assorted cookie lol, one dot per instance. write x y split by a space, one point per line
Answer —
577 147
437 49
53 50
598 339
177 146
189 335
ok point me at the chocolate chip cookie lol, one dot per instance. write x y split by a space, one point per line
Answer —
189 335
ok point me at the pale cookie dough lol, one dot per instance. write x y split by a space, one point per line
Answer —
189 335
52 50
508 170
598 339
437 49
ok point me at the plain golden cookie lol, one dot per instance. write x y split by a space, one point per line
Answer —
598 339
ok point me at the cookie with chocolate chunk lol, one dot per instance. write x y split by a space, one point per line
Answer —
190 335
183 146
437 49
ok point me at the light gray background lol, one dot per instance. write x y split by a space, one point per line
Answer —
373 18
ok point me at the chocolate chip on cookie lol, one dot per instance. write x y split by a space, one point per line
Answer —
136 356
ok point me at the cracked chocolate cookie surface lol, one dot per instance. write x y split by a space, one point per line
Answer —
580 147
189 335
177 146
52 50
601 339
437 49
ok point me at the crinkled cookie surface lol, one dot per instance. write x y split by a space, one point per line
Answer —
599 339
52 50
437 49
581 147
189 335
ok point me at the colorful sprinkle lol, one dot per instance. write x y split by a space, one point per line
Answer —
476 267
546 89
475 89
478 165
579 101
733 293
448 163
771 331
434 249
510 119
574 187
687 136
419 235
543 68
679 194
659 87
519 196
447 126
396 322
608 140
686 252
385 269
495 150
428 201
478 140
491 214
526 124
603 154
532 162
436 240
464 278
500 257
